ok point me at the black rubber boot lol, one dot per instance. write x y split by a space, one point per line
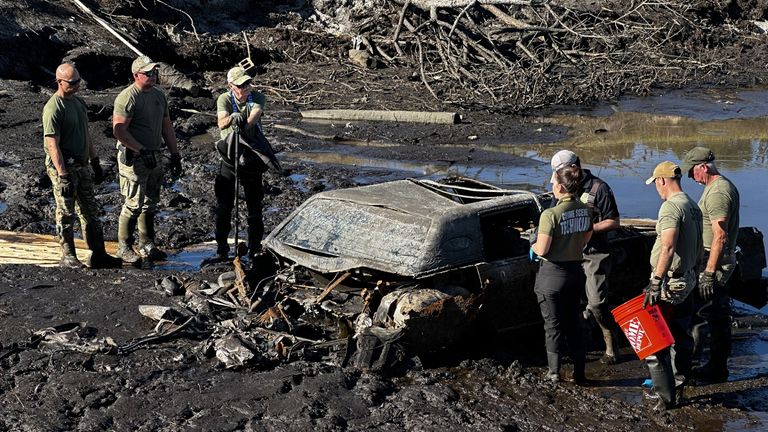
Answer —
553 362
99 259
660 368
579 364
68 251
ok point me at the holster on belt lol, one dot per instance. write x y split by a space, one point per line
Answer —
126 155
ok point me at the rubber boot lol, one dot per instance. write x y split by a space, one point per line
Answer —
147 248
68 251
579 364
553 362
660 368
99 259
607 327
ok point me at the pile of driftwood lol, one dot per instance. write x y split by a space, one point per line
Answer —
524 54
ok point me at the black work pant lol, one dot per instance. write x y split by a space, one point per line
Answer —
558 289
713 316
670 368
224 189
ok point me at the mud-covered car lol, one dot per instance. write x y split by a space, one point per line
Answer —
448 255
438 259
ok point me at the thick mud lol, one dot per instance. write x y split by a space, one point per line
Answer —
171 385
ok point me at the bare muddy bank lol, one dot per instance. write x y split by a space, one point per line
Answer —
171 386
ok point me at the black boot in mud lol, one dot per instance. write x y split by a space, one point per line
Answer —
150 251
99 259
68 252
553 363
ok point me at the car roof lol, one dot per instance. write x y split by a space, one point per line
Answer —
405 227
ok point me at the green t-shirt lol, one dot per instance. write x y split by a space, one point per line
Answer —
224 104
146 109
67 119
720 199
679 211
568 224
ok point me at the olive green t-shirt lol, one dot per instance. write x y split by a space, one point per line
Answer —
67 119
568 224
146 109
224 104
680 212
720 199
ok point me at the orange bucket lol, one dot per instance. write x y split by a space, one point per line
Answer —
645 329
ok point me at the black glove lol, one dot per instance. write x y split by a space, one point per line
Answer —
66 187
652 291
148 157
707 285
175 165
98 173
238 119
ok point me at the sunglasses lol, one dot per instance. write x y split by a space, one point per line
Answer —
149 74
73 82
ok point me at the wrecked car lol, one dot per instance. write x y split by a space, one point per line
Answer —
437 259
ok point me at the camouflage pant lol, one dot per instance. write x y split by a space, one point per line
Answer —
140 187
82 204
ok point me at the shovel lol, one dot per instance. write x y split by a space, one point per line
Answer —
246 63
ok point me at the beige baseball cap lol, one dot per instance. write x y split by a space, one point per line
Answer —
237 76
665 169
143 64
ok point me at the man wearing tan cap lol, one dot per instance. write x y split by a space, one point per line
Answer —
598 196
239 110
142 125
674 256
719 204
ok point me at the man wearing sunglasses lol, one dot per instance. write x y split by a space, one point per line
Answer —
142 125
239 110
69 150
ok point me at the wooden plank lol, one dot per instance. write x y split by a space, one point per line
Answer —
39 249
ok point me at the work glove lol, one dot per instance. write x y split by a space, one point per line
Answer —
707 285
533 237
532 257
148 157
66 187
653 292
98 173
175 165
238 119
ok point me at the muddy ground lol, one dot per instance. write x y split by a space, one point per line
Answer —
496 385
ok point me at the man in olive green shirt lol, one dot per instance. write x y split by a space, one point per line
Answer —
720 206
675 253
69 150
239 110
142 125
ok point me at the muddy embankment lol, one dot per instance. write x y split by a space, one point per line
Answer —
569 53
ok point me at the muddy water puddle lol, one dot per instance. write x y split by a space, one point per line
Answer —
621 143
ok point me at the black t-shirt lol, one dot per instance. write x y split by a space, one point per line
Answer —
603 205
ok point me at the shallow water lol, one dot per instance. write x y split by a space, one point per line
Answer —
621 143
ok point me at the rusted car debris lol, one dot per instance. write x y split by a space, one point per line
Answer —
374 275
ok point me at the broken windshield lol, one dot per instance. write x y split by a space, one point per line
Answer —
355 230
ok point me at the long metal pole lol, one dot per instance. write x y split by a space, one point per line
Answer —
237 187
